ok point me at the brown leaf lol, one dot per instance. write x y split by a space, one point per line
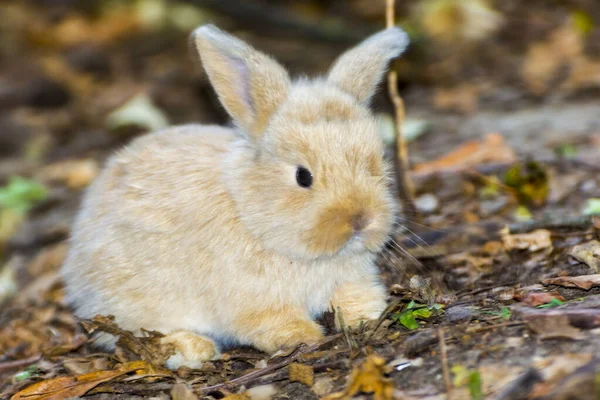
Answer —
368 378
583 281
76 174
146 348
71 386
535 299
539 239
181 391
302 373
491 149
588 253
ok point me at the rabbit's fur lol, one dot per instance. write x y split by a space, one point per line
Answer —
204 234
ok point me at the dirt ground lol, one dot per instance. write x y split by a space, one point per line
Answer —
495 286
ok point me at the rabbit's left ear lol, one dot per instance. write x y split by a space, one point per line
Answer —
359 70
250 84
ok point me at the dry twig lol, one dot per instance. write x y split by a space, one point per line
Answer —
405 186
445 369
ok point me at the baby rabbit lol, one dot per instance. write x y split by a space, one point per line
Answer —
218 236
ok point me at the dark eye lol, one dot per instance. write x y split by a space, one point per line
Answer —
303 177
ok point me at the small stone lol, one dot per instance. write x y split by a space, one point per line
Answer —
427 203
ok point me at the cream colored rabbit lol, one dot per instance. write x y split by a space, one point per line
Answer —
244 235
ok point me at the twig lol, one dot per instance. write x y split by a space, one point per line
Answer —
249 377
406 189
445 369
492 327
344 328
8 365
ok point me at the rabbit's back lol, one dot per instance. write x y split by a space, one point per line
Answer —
156 200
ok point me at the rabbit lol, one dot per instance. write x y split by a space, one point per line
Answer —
221 236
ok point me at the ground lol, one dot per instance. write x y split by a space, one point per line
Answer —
494 290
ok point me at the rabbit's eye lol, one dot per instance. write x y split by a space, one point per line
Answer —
304 177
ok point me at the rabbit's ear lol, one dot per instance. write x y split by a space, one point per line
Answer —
359 70
250 84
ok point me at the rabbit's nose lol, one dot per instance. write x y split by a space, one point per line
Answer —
360 221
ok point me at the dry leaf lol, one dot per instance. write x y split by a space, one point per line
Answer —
539 239
588 253
368 378
534 299
71 386
302 373
491 149
583 281
181 391
555 368
76 174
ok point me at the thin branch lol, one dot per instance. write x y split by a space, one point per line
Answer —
252 376
445 369
8 365
406 189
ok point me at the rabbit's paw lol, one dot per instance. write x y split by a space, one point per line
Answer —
289 334
190 349
358 302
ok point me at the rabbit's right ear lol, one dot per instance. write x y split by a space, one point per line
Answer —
250 84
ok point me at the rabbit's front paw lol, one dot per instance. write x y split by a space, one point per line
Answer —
358 302
289 334
190 349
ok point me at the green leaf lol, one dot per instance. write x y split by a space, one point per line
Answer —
422 313
475 386
553 303
411 305
592 207
20 194
407 319
582 21
505 313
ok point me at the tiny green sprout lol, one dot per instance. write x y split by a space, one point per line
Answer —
553 303
505 313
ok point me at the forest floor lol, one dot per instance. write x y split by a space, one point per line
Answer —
493 293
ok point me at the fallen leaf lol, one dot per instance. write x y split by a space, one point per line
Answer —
301 373
71 386
147 348
583 281
588 253
491 149
181 391
369 377
534 299
539 239
76 174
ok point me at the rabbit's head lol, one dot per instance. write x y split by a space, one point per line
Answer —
308 174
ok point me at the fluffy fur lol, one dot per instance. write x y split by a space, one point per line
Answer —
202 232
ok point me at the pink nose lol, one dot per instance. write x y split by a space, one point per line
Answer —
360 221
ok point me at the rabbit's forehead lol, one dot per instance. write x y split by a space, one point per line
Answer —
328 145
